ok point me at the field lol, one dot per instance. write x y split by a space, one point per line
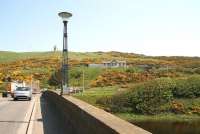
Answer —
93 94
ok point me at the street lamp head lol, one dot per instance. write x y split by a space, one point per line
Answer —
65 15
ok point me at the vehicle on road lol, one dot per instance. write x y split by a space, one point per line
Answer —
12 86
23 93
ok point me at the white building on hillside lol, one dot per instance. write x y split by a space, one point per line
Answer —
110 64
114 63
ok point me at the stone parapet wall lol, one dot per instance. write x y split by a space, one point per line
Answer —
82 118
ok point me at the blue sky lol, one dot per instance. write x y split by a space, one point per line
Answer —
151 27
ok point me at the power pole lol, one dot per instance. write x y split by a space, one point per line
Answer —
83 80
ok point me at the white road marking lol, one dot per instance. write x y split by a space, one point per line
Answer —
30 127
23 127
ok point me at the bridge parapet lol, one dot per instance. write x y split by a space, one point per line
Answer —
82 118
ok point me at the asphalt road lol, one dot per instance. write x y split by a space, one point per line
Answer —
29 117
15 115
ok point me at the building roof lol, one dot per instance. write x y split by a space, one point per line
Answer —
114 61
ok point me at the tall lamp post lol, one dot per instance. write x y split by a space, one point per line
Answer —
65 78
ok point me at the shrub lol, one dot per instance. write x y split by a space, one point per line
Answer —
188 71
155 94
197 70
134 70
177 107
110 78
116 103
154 97
187 88
146 98
195 110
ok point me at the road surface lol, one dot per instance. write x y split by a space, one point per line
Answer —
15 115
29 117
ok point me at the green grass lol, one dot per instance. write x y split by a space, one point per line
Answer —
85 55
14 56
161 117
7 56
190 102
93 94
89 75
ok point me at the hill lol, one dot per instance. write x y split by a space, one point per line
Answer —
43 64
6 56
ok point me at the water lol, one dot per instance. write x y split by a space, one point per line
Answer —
171 127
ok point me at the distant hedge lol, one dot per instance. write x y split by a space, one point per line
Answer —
154 96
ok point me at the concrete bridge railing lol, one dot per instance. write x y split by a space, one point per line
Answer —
82 118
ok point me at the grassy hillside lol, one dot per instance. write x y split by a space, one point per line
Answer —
102 84
41 65
14 56
6 56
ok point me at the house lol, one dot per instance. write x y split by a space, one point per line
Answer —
110 64
114 63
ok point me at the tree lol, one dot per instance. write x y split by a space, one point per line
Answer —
55 79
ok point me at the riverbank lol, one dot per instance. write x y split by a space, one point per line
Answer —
92 95
168 117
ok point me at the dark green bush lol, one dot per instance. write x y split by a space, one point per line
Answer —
197 70
116 103
188 71
146 98
155 94
187 88
153 97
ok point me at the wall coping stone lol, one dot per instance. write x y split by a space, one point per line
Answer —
117 124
